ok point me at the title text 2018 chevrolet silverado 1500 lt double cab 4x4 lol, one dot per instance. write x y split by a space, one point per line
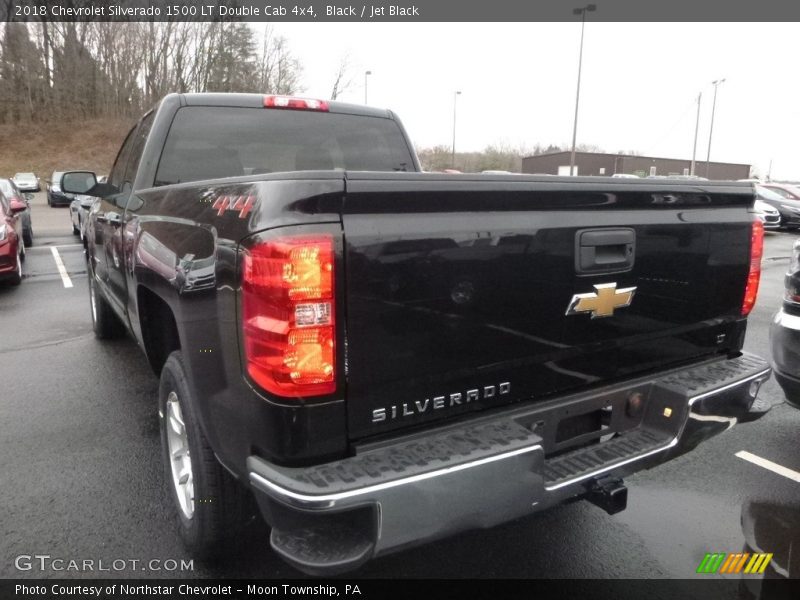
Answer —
384 357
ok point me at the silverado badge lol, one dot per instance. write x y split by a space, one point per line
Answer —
601 302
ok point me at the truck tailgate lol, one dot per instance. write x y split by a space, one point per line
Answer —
467 293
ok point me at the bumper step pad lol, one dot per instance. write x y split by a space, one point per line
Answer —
414 457
707 379
325 549
572 465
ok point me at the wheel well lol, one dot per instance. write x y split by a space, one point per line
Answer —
159 330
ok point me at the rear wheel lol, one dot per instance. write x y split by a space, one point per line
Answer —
27 236
105 323
210 504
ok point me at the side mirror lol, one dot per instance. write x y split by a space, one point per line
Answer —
28 196
78 182
102 190
17 206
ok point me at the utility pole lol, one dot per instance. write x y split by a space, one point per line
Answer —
711 128
366 75
456 94
582 12
696 129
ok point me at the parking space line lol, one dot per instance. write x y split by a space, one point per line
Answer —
61 268
48 247
769 465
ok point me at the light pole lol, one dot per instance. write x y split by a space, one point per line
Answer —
711 127
696 129
582 12
456 94
366 74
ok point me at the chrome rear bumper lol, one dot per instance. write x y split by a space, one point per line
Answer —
493 469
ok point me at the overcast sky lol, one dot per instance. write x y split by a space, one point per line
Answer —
639 86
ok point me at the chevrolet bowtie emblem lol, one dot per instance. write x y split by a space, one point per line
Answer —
601 302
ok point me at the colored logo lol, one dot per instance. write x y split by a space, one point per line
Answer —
602 302
743 562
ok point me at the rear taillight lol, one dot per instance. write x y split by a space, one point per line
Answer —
288 315
754 276
295 103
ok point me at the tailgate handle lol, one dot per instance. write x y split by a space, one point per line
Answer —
604 250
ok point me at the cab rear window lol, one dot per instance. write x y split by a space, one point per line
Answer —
206 142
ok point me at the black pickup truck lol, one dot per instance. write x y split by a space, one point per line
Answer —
383 357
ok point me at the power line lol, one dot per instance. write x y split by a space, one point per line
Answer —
672 127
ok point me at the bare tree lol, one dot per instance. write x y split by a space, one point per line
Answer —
279 71
20 74
343 79
86 69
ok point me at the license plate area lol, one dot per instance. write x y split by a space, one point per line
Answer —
585 420
596 421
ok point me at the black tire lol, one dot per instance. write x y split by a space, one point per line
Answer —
49 201
790 387
75 230
220 504
27 237
105 323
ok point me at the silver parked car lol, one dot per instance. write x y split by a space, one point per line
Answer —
784 333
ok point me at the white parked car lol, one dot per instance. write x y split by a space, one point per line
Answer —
78 209
769 216
27 182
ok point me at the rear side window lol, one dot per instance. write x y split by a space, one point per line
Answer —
207 142
137 146
115 177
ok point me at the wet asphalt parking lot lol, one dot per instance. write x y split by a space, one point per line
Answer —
82 479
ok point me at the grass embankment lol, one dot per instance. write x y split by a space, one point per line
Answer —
58 146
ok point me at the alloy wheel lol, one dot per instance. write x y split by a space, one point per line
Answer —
180 459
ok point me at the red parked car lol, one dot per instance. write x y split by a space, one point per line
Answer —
12 250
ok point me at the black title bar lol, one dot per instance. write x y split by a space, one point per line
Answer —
362 589
411 11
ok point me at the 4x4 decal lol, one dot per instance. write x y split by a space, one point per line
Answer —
242 204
